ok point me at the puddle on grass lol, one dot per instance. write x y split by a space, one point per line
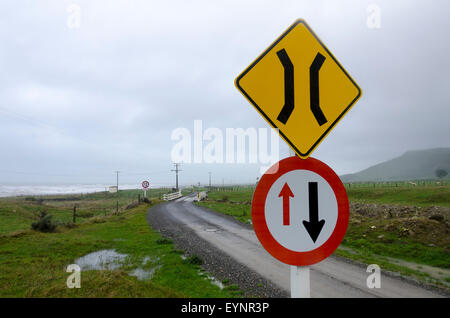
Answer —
212 279
148 259
146 274
111 260
216 282
143 274
101 260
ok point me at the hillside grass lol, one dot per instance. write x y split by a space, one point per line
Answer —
424 194
418 196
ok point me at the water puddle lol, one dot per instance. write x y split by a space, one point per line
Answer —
212 279
148 259
216 282
144 274
101 260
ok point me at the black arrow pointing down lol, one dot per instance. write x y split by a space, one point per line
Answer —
313 226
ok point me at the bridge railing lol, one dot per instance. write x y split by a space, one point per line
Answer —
172 196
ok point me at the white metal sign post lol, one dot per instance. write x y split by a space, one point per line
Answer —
145 186
300 282
300 279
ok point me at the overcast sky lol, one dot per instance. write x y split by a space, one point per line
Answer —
79 101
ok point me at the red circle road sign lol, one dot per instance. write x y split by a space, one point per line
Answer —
300 211
145 184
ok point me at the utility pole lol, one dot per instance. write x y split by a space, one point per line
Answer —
176 173
117 179
117 193
209 181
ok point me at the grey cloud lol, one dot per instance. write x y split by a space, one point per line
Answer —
106 96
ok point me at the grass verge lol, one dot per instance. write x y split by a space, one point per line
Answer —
33 264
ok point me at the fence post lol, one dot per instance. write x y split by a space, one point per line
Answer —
74 216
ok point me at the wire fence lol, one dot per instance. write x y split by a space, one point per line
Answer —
348 185
79 207
398 184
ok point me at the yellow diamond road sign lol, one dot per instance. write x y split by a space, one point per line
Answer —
299 87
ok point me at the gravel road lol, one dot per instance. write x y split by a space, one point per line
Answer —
231 251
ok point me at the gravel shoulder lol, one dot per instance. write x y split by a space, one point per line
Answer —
216 262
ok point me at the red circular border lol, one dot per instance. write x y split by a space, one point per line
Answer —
258 214
146 182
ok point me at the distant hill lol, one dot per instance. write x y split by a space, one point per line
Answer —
412 165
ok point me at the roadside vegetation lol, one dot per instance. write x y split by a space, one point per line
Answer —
234 203
424 195
33 263
404 229
17 213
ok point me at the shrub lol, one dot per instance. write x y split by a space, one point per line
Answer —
97 219
146 200
44 223
441 173
132 205
69 225
164 241
195 260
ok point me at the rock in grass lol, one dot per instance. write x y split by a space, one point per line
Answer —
437 217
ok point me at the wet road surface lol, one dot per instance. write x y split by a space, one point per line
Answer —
333 277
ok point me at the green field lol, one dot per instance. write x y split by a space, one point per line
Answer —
234 203
18 212
230 201
391 226
418 196
33 264
425 193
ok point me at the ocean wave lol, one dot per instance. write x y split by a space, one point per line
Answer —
23 190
